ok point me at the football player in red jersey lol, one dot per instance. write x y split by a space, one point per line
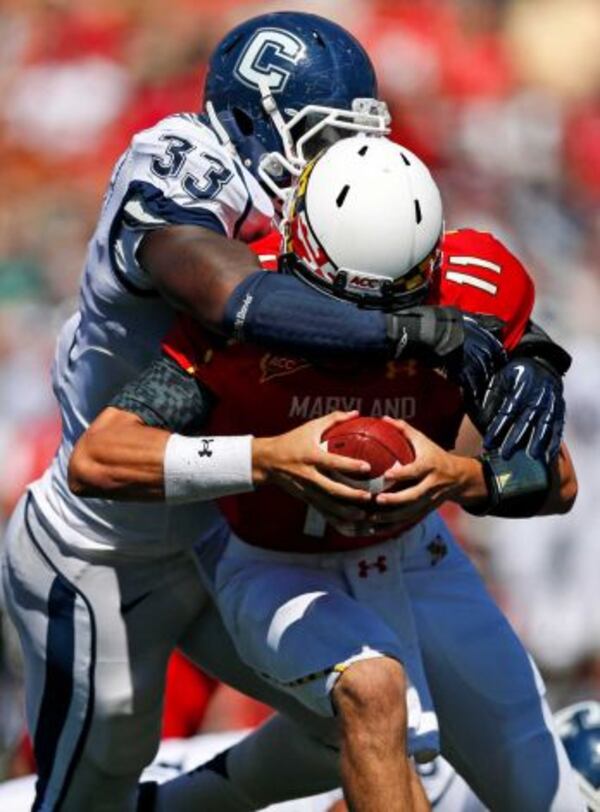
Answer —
318 613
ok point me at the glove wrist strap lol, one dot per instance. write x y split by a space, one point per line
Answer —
517 487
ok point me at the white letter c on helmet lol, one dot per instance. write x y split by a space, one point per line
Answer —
265 57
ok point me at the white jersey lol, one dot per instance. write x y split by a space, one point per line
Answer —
177 172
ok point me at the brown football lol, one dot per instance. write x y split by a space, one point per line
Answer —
378 442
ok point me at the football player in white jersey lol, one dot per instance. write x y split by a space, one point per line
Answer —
101 592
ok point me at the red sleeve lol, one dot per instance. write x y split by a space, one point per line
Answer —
217 362
194 348
267 249
188 692
185 344
479 274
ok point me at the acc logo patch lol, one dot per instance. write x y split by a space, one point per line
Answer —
268 57
273 366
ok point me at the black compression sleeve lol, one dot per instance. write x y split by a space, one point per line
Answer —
281 311
165 396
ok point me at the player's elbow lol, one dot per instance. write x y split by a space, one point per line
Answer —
563 494
568 493
568 480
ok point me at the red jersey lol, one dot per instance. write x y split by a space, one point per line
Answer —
264 393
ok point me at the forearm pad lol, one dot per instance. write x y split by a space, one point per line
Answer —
536 343
517 487
281 311
431 332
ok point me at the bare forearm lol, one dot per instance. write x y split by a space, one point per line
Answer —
120 459
470 488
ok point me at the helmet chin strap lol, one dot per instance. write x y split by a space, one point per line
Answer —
220 129
272 110
275 165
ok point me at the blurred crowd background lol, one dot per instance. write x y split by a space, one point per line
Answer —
500 97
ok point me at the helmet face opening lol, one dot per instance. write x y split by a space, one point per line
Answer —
313 133
319 127
301 81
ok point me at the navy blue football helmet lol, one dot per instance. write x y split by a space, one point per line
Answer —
579 729
282 86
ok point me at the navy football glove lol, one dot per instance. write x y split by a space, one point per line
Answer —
481 355
524 408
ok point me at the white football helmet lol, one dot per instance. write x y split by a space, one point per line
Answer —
364 223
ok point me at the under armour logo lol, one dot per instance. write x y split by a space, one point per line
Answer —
380 564
206 451
438 549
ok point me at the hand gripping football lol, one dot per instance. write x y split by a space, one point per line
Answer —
378 442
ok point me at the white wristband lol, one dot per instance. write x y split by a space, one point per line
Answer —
201 468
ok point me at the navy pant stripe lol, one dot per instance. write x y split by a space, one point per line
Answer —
40 790
58 687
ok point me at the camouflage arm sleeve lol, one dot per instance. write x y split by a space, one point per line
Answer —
165 396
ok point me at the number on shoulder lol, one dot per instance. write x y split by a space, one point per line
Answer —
464 270
171 165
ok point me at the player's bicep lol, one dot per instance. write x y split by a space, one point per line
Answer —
196 270
178 176
166 396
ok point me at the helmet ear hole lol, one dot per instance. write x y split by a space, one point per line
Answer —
244 121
